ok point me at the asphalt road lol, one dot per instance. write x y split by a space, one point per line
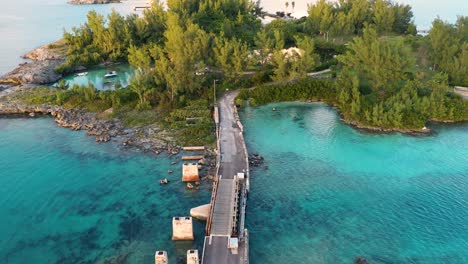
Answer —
233 160
231 143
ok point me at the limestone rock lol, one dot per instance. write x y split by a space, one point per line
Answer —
36 72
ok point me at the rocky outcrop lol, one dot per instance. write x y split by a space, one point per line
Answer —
35 72
256 160
361 260
52 51
92 2
41 70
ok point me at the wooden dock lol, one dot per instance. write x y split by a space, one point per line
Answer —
196 148
196 157
140 7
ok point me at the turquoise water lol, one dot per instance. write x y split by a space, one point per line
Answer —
331 193
66 199
96 77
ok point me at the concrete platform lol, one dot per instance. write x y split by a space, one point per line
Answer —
160 257
201 212
190 172
192 257
182 228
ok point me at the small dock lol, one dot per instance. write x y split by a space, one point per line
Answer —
196 148
196 157
136 8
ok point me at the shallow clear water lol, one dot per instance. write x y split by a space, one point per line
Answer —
331 193
66 199
96 77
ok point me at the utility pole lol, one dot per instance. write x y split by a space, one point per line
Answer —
214 92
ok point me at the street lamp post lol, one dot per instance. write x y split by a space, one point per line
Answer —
214 91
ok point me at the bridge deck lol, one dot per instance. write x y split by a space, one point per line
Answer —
224 208
216 251
232 161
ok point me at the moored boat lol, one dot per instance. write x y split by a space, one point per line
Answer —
111 74
80 74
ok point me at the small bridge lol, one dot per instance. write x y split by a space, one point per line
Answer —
226 238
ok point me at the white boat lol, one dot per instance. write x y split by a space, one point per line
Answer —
111 74
80 74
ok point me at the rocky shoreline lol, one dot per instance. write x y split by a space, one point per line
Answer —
147 139
41 68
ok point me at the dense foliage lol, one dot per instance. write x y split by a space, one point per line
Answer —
449 49
349 17
123 103
378 86
386 76
304 90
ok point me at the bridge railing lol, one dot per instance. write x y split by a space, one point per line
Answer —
246 185
216 176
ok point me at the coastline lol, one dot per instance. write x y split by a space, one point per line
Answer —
149 139
41 68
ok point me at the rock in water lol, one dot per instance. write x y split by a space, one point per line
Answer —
361 260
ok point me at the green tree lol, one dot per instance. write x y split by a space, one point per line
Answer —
307 59
321 16
141 86
384 16
232 56
383 63
186 46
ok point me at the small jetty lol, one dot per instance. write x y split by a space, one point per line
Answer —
196 148
136 8
196 157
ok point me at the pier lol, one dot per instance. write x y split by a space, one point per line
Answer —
136 8
197 157
226 238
